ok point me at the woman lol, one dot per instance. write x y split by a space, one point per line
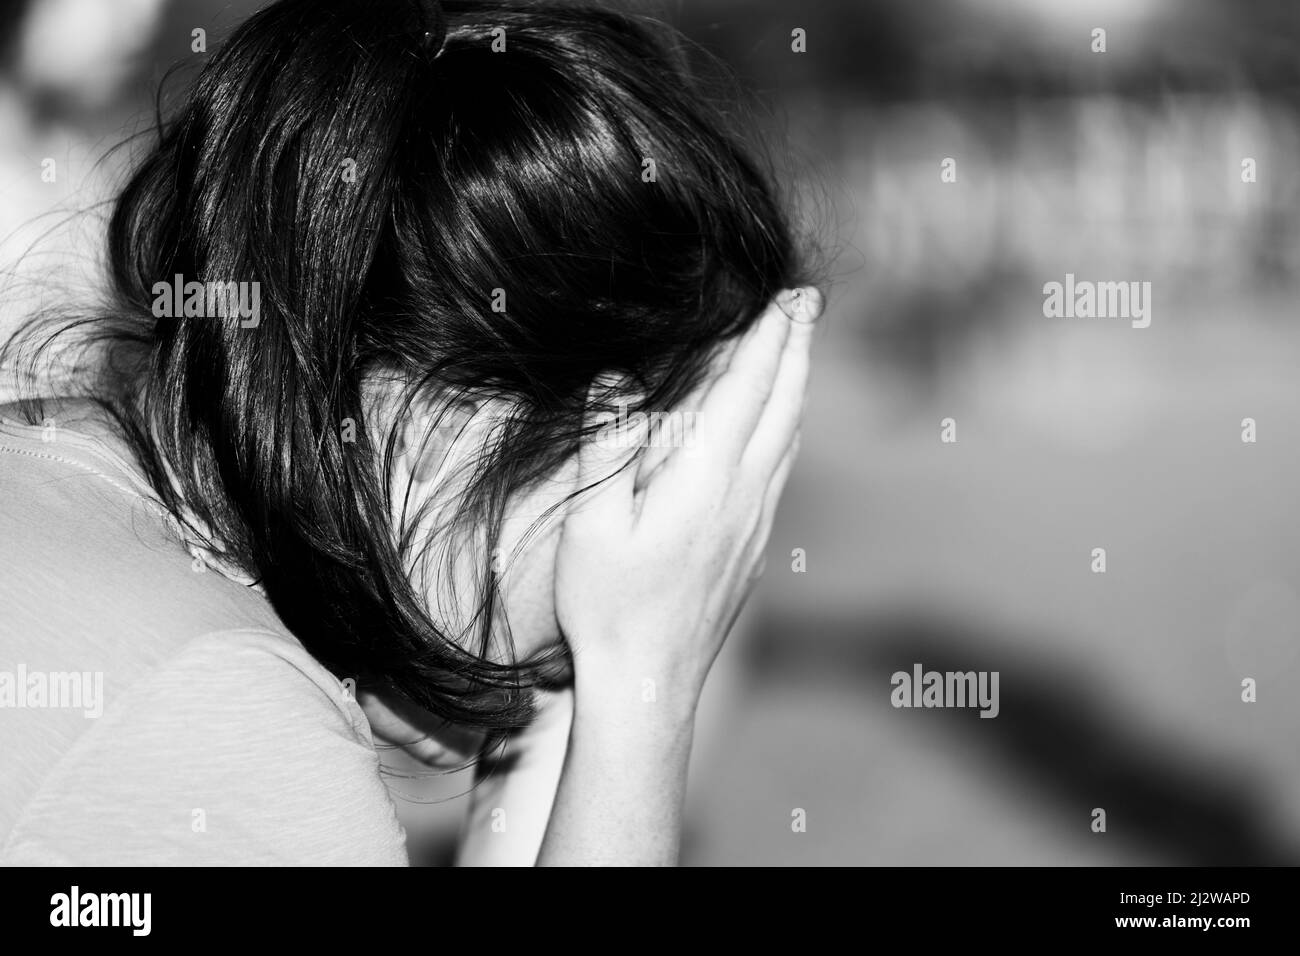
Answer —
380 296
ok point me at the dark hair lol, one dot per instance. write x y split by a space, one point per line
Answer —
476 170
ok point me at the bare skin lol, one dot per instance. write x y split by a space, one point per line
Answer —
643 577
648 583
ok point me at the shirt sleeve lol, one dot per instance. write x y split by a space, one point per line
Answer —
239 750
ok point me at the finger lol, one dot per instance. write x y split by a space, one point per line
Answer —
772 497
767 516
784 407
771 500
657 455
606 475
734 404
804 304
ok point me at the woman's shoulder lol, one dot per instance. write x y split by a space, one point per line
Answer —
72 432
213 736
239 748
89 546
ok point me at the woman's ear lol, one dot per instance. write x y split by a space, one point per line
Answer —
435 435
429 433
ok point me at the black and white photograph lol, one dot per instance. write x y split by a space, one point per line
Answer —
641 433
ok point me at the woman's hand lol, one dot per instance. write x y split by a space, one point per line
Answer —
657 560
653 566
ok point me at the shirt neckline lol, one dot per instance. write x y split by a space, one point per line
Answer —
135 483
88 443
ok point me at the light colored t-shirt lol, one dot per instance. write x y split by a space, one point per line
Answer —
152 713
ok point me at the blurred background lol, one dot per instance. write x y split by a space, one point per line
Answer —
1120 690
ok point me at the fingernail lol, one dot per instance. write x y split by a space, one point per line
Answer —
786 301
802 305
